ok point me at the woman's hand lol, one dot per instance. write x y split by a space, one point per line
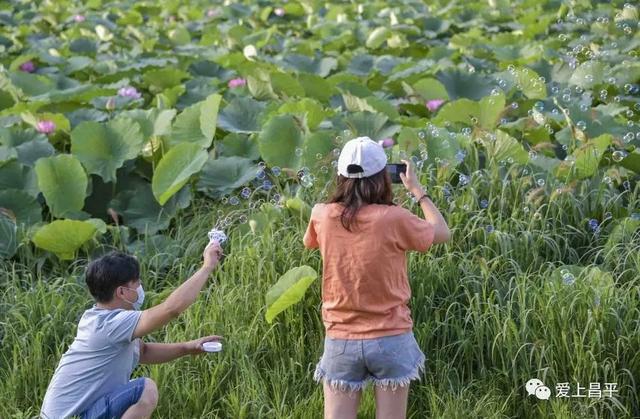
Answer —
410 180
212 254
194 347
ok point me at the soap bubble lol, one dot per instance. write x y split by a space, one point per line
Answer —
306 181
484 203
540 182
267 185
581 125
243 219
463 179
319 156
336 152
246 193
234 200
299 152
324 169
618 155
489 228
260 174
275 170
594 225
568 278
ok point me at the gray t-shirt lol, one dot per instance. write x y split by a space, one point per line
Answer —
101 358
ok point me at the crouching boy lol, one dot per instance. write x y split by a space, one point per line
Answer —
92 379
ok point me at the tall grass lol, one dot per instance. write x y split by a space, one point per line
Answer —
488 312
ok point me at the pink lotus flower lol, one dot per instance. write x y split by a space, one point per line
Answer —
28 67
79 18
239 82
129 91
434 104
279 11
386 143
46 126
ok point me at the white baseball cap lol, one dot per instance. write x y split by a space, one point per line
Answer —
361 157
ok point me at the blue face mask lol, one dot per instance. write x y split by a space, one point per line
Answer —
138 303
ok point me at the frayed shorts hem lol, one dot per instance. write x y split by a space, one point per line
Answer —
320 376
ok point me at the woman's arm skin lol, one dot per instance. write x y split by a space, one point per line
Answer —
157 353
431 213
157 316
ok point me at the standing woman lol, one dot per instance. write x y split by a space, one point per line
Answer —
363 238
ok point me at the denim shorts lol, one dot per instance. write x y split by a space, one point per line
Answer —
115 403
388 361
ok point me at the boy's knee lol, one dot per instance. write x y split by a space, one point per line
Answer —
149 397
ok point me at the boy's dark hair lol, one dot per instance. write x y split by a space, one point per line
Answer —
109 272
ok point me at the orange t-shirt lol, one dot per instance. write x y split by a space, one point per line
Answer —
365 288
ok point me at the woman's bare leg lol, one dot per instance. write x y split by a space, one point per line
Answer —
341 404
391 404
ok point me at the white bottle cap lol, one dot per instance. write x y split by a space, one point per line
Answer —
212 346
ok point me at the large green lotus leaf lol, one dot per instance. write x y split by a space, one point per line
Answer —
443 146
32 84
623 234
505 148
461 110
197 123
175 168
29 152
285 84
7 154
240 145
372 125
278 141
63 183
408 139
377 37
304 64
64 237
305 108
289 290
491 108
316 87
318 143
164 78
103 148
361 65
197 90
14 175
241 115
461 84
430 89
15 136
24 207
223 175
588 74
529 82
153 122
140 209
588 156
632 162
8 236
357 104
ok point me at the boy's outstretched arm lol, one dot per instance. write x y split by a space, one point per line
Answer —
157 353
157 316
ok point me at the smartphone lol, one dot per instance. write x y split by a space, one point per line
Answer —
394 170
